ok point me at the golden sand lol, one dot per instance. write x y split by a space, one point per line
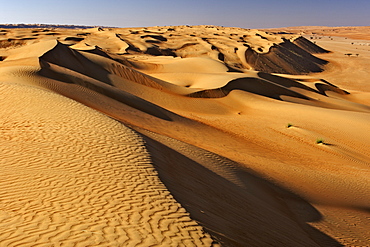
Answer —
184 136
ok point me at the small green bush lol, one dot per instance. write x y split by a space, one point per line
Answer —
320 141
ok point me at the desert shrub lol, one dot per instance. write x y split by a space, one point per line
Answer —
320 141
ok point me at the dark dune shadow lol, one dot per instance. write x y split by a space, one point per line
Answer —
77 39
98 51
153 41
74 60
271 86
258 213
106 90
83 34
253 85
323 88
157 37
131 47
308 46
157 51
285 58
66 57
285 82
327 86
96 78
52 34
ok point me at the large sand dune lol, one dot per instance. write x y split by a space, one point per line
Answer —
183 136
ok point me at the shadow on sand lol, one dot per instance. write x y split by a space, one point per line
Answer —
253 213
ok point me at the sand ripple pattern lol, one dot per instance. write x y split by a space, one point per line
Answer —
71 176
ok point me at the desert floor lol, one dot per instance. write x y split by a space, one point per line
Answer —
185 136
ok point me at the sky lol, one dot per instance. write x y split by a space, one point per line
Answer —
231 13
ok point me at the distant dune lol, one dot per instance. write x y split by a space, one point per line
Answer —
184 136
45 26
361 32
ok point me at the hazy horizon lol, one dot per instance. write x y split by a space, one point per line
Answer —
234 13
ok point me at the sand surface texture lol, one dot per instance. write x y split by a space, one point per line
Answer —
184 136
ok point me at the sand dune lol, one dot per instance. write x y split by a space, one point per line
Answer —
361 32
182 136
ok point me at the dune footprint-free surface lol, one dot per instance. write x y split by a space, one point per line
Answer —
74 177
181 136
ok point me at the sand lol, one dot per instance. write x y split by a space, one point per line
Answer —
184 136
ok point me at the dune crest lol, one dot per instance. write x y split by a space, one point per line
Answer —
181 136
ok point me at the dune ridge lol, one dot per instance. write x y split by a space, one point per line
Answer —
288 58
180 136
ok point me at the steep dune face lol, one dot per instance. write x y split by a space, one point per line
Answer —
287 58
179 136
309 46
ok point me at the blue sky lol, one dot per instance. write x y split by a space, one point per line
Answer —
233 13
